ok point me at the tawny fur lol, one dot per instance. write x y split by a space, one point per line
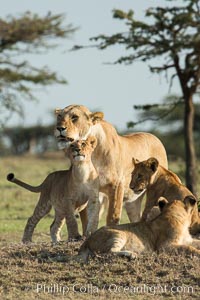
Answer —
68 191
112 157
168 230
149 175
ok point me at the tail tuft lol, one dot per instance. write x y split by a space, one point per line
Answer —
10 177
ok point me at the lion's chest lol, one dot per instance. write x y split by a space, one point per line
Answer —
80 192
185 238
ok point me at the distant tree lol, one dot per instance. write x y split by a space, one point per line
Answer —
166 119
31 139
173 35
27 34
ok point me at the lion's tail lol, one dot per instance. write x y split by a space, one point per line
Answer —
34 189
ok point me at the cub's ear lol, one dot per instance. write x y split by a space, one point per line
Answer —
135 161
96 117
190 200
162 203
93 141
57 111
153 163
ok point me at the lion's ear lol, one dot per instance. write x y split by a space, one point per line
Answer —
57 111
93 141
153 164
162 202
190 200
96 117
135 161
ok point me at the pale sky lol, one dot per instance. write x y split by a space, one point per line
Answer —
113 89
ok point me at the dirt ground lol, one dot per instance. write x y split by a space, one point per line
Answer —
43 271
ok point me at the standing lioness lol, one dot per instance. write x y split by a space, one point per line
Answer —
149 175
112 157
68 191
169 229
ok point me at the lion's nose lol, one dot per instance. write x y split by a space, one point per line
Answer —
61 128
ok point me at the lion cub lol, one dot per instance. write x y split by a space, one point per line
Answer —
68 191
157 181
168 230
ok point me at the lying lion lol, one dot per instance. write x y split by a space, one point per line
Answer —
168 230
149 175
69 191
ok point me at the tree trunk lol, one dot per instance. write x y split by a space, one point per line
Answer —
190 156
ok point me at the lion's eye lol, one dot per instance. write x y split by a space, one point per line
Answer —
74 118
139 176
83 144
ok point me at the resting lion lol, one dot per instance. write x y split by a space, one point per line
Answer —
168 230
149 175
112 157
70 191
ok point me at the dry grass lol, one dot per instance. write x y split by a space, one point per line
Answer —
43 271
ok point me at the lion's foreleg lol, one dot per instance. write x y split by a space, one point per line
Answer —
72 225
93 214
133 209
41 209
84 219
118 243
115 195
56 227
150 203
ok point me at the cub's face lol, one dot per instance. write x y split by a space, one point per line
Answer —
143 174
183 210
140 178
81 150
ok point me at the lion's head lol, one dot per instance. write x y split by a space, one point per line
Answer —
142 174
182 209
74 123
81 150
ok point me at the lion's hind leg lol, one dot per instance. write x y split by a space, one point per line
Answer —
118 248
117 242
42 208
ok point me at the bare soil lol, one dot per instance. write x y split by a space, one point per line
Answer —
43 271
